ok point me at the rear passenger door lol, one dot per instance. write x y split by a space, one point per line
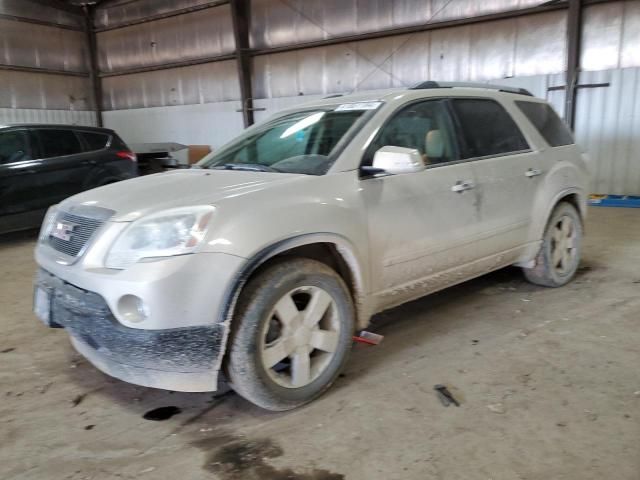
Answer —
64 164
507 171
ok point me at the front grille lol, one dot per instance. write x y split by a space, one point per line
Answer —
78 230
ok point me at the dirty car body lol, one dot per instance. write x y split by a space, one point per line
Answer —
487 168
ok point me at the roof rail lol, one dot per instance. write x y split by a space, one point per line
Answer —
335 95
501 88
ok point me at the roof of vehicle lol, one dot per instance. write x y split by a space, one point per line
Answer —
57 126
432 87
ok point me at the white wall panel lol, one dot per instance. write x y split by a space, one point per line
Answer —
209 124
607 126
32 115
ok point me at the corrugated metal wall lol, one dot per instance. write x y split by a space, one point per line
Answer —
38 96
195 35
207 83
286 22
536 45
38 11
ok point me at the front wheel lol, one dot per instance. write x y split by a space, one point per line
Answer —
561 249
291 334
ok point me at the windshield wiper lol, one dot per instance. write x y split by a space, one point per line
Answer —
251 167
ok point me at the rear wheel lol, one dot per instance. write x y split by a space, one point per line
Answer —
561 249
291 334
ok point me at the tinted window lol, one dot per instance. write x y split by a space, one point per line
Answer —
94 141
14 147
487 128
424 126
547 122
56 143
117 143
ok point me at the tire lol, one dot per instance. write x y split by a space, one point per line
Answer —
291 334
559 256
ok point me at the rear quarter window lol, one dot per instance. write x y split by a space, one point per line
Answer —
94 141
118 144
487 128
547 122
58 143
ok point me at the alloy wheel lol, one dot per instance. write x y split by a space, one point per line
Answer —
300 338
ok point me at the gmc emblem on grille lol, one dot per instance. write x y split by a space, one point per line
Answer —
63 231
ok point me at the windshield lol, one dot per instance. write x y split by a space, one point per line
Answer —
300 142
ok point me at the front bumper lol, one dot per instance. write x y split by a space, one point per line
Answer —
184 359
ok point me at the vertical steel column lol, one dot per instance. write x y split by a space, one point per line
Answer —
574 35
96 85
240 14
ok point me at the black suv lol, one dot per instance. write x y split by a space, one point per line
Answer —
40 165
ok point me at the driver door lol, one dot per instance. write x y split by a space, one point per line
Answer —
421 225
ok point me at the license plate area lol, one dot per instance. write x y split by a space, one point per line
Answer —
42 300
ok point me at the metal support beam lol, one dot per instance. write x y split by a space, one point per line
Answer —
240 15
35 21
96 84
169 65
574 34
161 16
48 71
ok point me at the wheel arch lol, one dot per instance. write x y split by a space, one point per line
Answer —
575 197
331 249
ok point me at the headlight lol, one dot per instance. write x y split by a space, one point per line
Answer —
164 234
47 223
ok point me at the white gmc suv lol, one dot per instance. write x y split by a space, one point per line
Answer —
263 261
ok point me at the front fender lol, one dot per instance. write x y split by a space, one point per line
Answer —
344 248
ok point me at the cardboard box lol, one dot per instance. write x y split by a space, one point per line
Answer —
197 152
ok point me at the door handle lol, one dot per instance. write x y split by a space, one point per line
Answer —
461 186
533 172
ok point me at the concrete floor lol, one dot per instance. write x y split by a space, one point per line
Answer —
548 380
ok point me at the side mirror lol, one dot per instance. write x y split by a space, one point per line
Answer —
396 160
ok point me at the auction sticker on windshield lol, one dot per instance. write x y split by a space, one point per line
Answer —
358 106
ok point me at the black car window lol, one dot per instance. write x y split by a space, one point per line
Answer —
14 147
547 122
57 143
94 141
487 128
117 143
424 126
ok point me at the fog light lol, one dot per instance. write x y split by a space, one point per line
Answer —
132 308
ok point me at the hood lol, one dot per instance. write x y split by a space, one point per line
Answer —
132 199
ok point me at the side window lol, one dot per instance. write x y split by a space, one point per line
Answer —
57 143
14 147
487 128
547 122
424 126
94 141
